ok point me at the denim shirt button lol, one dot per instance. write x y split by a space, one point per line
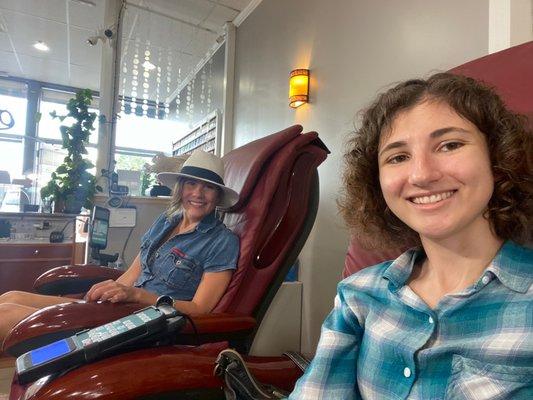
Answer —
178 262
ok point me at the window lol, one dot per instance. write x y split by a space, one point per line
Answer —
13 103
55 100
164 88
31 146
133 131
49 152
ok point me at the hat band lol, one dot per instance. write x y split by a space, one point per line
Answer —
202 173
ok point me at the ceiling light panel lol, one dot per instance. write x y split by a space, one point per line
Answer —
53 10
41 46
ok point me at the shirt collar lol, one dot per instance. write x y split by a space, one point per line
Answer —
205 225
399 270
512 265
208 222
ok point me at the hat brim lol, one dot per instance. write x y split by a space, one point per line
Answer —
229 196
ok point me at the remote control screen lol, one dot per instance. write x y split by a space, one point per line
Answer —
49 352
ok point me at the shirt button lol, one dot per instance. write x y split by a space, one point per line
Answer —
406 372
430 319
485 279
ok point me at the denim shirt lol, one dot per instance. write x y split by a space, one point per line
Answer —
175 267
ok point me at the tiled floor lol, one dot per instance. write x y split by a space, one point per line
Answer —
7 368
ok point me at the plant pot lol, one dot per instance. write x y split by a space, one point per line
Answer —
68 206
59 206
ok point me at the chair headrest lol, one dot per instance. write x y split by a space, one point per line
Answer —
243 165
510 72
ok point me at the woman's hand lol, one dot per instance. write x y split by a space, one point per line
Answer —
113 292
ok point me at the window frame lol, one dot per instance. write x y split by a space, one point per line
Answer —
30 137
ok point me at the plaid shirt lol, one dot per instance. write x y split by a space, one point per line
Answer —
381 341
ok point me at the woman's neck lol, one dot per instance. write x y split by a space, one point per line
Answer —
186 224
455 263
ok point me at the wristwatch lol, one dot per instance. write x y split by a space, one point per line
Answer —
165 299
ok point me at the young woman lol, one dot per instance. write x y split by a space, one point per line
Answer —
187 254
442 164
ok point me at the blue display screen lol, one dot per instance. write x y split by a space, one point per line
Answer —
99 233
49 352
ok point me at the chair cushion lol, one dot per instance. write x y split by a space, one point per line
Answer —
268 220
510 72
244 166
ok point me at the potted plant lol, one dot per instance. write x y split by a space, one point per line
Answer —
71 186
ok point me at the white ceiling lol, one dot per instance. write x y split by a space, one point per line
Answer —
177 33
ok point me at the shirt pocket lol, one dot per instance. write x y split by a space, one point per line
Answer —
475 380
178 271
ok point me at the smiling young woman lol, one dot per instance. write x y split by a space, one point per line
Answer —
435 173
440 164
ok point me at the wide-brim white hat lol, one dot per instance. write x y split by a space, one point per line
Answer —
205 167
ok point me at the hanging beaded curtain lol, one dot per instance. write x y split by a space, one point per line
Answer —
160 73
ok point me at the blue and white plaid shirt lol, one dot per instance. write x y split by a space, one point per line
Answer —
381 341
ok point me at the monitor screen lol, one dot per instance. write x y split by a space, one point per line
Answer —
99 233
49 352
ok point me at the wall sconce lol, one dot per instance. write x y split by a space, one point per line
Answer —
298 87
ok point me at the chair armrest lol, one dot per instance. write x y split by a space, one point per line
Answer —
69 279
163 372
60 321
63 320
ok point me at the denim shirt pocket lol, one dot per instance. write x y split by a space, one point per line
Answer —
178 271
475 380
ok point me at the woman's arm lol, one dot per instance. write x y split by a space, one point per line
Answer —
212 286
132 273
120 290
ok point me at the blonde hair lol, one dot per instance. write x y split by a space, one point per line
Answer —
175 201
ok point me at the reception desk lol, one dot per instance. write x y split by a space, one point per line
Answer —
27 252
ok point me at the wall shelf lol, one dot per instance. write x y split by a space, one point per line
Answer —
205 135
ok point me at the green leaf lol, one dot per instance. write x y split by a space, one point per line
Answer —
71 181
62 169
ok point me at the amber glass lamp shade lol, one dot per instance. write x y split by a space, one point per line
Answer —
298 87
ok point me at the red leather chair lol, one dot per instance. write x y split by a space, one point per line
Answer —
277 180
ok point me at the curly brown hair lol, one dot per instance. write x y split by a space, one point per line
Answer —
510 144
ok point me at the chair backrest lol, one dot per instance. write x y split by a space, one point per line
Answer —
357 257
276 177
510 72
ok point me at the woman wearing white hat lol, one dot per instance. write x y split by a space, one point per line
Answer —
187 253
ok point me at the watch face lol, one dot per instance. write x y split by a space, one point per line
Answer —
164 300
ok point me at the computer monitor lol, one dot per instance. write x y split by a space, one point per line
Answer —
99 228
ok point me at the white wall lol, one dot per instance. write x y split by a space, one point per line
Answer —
354 49
148 209
510 23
